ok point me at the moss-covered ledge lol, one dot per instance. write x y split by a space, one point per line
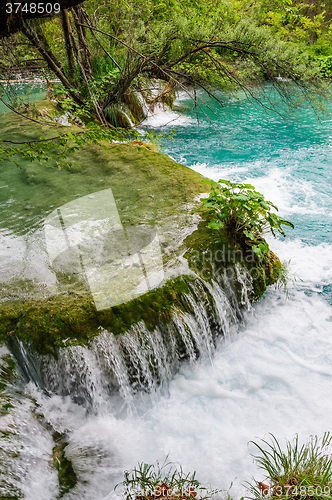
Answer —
71 317
149 189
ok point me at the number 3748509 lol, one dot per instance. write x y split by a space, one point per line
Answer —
302 491
33 8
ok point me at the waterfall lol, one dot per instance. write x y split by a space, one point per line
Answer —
139 360
110 377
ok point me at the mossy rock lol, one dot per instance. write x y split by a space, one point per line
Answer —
66 474
8 377
72 318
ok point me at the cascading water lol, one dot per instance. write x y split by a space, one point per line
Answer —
114 379
140 359
125 399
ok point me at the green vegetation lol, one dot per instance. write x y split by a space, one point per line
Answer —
66 474
8 376
244 213
299 472
146 482
73 318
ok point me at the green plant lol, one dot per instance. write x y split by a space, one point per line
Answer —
300 472
325 65
148 482
243 213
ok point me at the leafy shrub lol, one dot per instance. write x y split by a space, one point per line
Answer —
243 213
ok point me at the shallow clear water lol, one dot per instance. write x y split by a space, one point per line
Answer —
273 374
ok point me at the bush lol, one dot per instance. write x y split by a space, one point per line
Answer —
243 213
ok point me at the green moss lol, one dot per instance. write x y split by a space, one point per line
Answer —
8 376
134 107
73 317
7 371
66 474
267 274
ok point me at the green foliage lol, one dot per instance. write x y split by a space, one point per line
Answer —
299 472
243 212
325 65
130 44
296 20
149 481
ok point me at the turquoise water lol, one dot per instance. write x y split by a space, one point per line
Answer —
29 92
252 142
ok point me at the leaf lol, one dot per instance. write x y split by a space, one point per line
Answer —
264 247
225 181
249 234
257 250
209 182
223 216
286 223
210 205
240 196
215 224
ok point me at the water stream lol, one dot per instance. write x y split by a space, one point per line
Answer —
270 373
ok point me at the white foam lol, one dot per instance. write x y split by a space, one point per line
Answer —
310 264
278 186
215 172
160 115
273 375
289 194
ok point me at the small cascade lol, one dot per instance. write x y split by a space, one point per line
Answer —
140 360
20 429
28 368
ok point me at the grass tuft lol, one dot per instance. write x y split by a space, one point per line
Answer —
299 472
169 481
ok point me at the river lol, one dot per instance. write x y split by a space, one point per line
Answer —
273 374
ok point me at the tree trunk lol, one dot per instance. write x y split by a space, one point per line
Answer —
39 41
66 27
82 43
121 87
99 111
